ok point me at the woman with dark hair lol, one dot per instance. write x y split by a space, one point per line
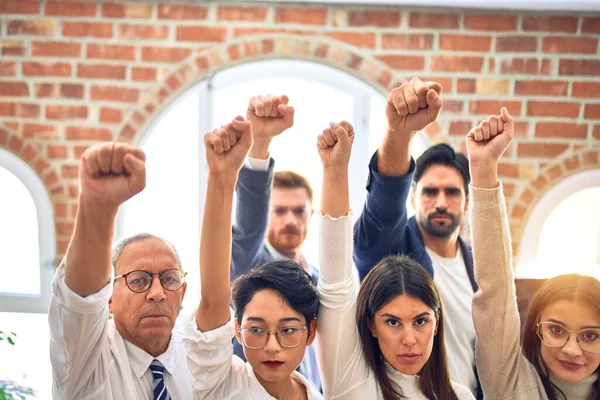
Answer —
389 343
560 355
276 305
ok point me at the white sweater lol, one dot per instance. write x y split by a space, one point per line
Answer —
344 371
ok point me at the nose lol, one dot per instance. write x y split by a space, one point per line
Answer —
440 201
571 348
408 337
290 219
156 292
273 345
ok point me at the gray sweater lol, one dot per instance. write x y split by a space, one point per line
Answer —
504 372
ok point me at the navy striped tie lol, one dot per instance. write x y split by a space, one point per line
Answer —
158 373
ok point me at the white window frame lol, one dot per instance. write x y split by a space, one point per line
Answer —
530 241
28 303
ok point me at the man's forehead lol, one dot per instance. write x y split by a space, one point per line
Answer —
439 176
147 254
289 196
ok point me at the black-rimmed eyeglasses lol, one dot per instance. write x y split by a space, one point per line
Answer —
139 281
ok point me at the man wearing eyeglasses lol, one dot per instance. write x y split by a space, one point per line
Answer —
135 354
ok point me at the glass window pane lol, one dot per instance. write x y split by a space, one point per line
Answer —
169 205
570 238
19 246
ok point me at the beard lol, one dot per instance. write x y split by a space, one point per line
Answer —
441 230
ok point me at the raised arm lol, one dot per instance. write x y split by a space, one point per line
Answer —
495 315
380 229
270 116
109 174
226 149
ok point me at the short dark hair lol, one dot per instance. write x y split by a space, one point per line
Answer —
286 277
443 154
292 180
391 277
120 247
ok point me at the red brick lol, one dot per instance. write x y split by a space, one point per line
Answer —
40 131
579 67
20 110
111 115
509 169
71 90
88 133
592 111
586 89
491 22
572 163
382 19
596 132
553 109
215 34
143 74
46 69
64 8
590 25
180 11
68 172
66 112
101 71
12 47
127 10
30 152
460 128
465 86
15 143
526 66
560 44
456 63
411 42
242 13
541 88
404 62
57 151
13 89
56 49
561 130
492 107
431 20
87 29
8 68
19 7
464 42
547 23
301 15
512 44
165 54
79 150
35 27
541 149
237 32
61 210
111 52
358 39
113 93
143 32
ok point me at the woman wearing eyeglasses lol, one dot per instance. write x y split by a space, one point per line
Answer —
560 355
275 304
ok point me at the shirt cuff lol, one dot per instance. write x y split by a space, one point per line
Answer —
215 339
257 164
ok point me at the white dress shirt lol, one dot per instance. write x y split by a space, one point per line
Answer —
90 359
344 371
218 374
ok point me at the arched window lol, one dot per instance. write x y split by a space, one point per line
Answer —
563 233
172 203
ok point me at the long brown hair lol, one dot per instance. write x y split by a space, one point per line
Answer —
392 277
572 287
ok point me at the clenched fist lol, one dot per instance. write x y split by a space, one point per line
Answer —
111 173
413 106
227 147
335 145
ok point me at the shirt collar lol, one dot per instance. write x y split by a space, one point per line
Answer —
277 256
140 360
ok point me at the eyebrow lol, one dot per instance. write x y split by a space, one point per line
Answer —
583 327
400 319
288 319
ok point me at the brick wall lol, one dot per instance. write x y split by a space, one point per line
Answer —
75 72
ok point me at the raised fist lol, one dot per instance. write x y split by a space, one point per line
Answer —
270 115
111 173
227 147
335 145
489 140
413 106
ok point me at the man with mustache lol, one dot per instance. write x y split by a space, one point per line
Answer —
438 187
135 354
276 205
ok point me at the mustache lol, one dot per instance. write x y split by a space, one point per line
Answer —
289 230
441 213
